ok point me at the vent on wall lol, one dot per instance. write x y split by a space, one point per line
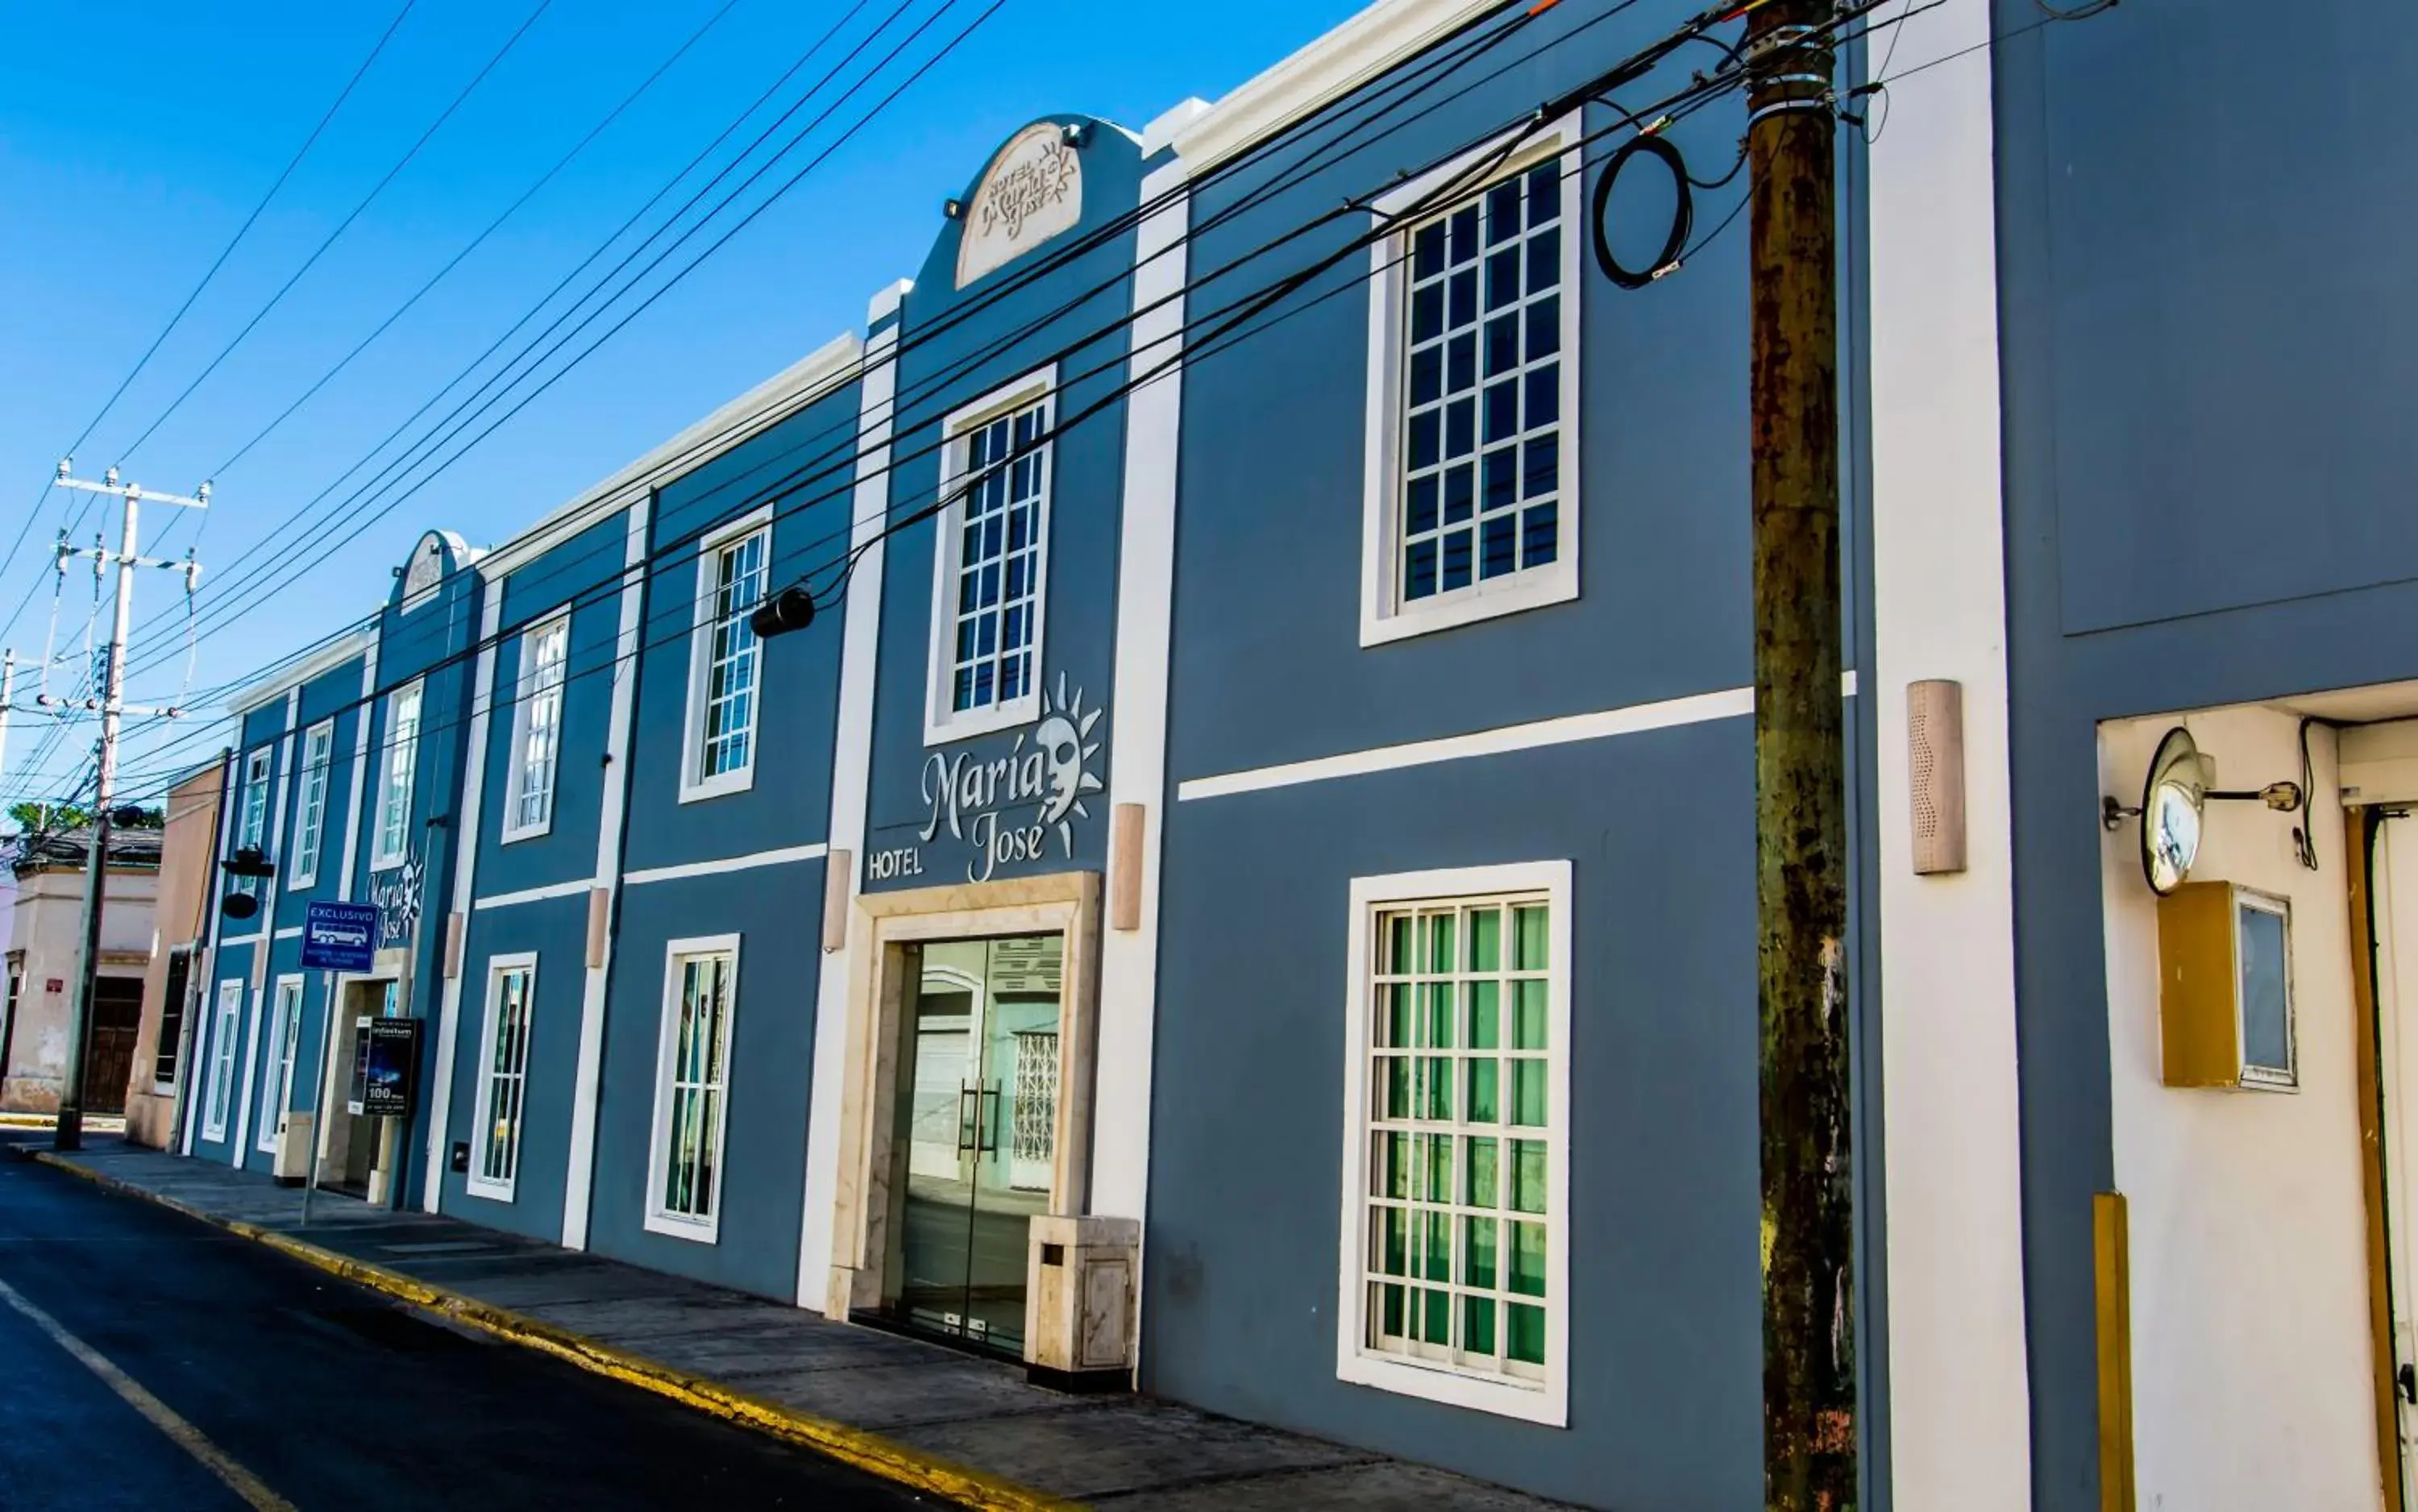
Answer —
1934 740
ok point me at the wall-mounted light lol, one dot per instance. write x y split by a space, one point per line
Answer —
954 208
2173 806
1073 133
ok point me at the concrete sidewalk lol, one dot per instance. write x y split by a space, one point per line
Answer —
966 1428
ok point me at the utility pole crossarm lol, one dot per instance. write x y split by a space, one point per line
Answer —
126 558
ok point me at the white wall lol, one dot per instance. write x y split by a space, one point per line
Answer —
2251 1356
1959 1391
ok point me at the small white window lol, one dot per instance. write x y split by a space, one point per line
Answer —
692 1086
400 760
311 816
503 1076
1471 499
725 659
223 1050
285 1031
253 833
1456 1216
990 565
537 730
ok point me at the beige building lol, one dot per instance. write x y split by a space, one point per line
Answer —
163 1041
45 937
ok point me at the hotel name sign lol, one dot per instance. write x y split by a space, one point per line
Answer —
1032 190
1007 807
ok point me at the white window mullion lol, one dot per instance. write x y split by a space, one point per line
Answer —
692 1089
990 570
537 730
397 769
503 1076
1453 1284
726 659
277 1086
311 816
223 1053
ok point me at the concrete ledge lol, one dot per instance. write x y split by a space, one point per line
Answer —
868 1452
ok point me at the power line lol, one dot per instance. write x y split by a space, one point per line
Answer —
223 613
342 226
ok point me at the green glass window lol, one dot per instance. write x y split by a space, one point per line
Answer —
1462 1135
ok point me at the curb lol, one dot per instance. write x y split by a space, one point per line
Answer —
868 1452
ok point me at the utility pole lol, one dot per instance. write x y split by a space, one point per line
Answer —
1809 1369
70 1133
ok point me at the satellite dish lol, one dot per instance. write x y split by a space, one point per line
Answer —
2173 803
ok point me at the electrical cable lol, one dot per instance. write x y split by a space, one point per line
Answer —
1683 212
1252 307
342 226
455 261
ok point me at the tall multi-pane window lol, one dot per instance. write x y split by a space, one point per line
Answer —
537 727
166 1054
693 1086
1458 1129
399 761
277 1083
727 662
223 1048
504 1075
252 833
1475 374
310 813
996 602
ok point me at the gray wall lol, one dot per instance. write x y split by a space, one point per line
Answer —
2207 336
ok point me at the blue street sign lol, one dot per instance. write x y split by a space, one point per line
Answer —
340 936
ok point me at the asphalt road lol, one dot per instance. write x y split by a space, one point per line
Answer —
315 1393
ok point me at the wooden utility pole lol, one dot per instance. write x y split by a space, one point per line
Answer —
1808 1401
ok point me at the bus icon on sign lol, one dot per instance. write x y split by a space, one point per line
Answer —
340 936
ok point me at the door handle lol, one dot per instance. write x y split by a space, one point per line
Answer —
988 1109
966 1135
2405 1383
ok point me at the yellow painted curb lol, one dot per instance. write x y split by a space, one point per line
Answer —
868 1452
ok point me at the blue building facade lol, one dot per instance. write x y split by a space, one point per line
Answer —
1270 774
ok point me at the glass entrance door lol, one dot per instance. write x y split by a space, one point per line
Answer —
980 1113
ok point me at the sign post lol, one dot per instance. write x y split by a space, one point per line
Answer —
336 936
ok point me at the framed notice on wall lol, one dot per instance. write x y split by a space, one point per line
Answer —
386 1067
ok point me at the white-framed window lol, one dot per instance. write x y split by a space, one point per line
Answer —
537 730
277 1084
252 833
223 1050
1455 1242
311 811
990 562
692 1087
503 1076
726 661
1472 502
398 762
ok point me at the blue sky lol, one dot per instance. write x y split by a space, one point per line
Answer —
137 137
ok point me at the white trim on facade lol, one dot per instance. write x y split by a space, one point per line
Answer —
579 1165
398 763
270 893
574 888
334 655
277 1089
752 413
940 722
311 835
1128 1005
694 785
193 1070
1694 708
1387 34
218 1091
1960 1394
289 932
705 1227
466 871
1385 615
499 1189
1545 1400
780 857
851 768
527 695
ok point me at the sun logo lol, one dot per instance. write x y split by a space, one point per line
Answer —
1066 748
